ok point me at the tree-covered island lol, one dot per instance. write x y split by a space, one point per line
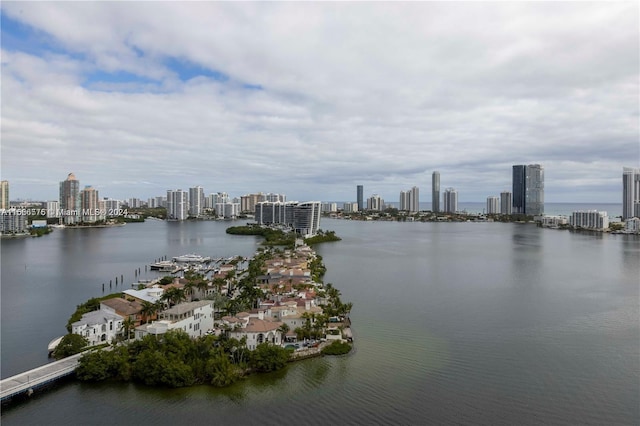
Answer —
245 316
275 236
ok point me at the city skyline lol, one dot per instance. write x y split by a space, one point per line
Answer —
160 96
532 191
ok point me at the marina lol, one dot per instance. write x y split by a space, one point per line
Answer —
193 262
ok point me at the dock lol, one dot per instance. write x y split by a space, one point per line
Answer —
29 381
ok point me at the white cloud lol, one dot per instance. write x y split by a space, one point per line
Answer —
379 94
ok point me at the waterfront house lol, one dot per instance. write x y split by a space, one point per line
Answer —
258 331
194 318
101 326
124 308
151 294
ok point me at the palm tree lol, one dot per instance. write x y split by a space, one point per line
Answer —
174 295
346 308
194 281
218 284
202 286
127 325
232 307
188 288
283 329
148 310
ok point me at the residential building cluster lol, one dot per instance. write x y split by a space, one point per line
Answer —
290 300
76 205
193 203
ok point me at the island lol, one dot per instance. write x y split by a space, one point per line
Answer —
221 321
275 235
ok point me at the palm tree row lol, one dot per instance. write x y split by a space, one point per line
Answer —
335 307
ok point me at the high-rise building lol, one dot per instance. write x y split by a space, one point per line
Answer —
350 207
210 201
196 201
360 197
528 189
177 204
375 202
414 200
70 199
134 203
112 207
329 207
304 218
410 200
493 205
591 219
435 192
630 193
4 195
12 221
248 202
450 199
404 201
53 209
89 207
220 197
519 188
274 198
228 210
505 202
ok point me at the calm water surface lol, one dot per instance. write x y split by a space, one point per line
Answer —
464 323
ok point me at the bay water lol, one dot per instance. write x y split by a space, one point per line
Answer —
454 323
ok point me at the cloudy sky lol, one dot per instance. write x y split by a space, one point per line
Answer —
311 99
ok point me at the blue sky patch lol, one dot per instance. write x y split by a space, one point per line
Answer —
19 37
118 77
187 70
252 87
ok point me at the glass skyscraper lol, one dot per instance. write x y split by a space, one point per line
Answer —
630 193
528 189
435 192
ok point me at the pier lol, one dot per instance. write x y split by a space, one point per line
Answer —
29 381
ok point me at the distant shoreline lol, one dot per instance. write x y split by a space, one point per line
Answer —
90 226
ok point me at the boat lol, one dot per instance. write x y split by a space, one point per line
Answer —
191 258
53 345
163 266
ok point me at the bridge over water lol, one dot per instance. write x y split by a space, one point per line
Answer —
27 382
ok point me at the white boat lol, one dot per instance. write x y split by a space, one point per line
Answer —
163 265
54 344
191 258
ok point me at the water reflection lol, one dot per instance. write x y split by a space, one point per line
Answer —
182 233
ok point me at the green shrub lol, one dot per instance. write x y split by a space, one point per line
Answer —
337 348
